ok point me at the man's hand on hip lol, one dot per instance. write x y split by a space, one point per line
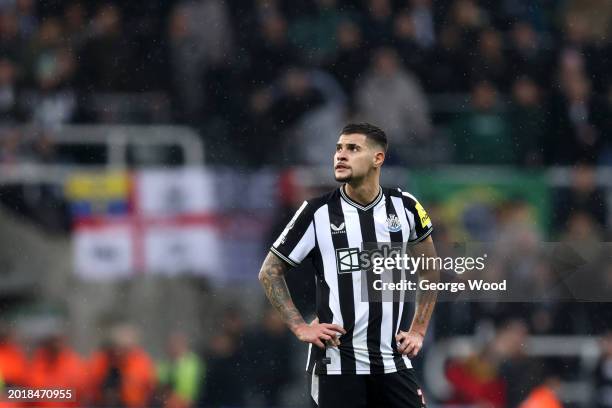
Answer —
409 343
320 333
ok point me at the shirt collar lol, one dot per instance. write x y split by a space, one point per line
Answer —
359 206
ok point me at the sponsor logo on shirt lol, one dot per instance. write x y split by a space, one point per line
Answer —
337 229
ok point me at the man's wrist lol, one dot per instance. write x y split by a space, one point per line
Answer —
416 331
297 327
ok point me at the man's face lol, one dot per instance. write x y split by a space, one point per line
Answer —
355 157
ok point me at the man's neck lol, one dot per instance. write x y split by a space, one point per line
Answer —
363 193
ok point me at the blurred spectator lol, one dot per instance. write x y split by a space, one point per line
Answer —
584 196
526 56
44 150
483 134
506 12
392 97
26 15
582 38
56 101
489 63
451 70
528 117
475 380
412 54
13 363
10 146
122 374
315 35
181 375
350 59
226 379
105 61
268 351
581 227
510 344
603 374
209 21
186 61
544 396
272 53
422 16
593 15
53 68
75 26
11 44
9 108
576 37
56 365
106 377
378 24
42 50
447 63
517 233
469 19
576 134
201 45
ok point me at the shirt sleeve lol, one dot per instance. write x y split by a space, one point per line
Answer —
419 220
298 238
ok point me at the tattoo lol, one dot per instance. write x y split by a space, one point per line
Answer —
272 278
425 300
425 304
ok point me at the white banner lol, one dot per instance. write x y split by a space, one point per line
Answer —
189 249
103 252
174 192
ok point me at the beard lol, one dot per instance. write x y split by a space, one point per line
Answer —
344 179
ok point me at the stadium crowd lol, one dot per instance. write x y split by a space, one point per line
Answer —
516 82
270 82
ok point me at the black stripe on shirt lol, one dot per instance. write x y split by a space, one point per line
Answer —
396 237
348 363
368 235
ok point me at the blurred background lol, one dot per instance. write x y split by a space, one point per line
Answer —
150 152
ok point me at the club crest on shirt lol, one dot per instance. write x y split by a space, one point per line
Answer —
393 223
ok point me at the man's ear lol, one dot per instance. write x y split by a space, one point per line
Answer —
379 158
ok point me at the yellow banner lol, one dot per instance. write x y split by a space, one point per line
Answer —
96 186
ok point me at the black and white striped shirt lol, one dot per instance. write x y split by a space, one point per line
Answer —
322 228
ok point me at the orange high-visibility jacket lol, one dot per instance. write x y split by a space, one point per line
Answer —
13 364
137 376
541 397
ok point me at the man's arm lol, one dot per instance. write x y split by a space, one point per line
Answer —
272 278
410 342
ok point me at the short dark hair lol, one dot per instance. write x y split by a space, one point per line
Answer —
370 131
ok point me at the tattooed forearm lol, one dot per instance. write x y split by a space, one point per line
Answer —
272 278
425 304
425 300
